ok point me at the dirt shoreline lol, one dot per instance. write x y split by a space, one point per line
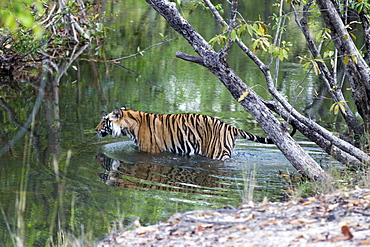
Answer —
337 219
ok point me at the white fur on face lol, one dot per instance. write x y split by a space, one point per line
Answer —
116 130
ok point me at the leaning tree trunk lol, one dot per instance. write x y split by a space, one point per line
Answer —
346 153
355 66
327 76
366 26
216 63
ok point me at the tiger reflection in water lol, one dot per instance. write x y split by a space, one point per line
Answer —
170 178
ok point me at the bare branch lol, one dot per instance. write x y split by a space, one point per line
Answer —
186 57
215 63
313 126
138 53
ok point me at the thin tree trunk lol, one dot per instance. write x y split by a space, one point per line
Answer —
330 80
357 70
216 63
366 26
341 150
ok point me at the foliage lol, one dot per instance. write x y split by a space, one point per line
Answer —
338 106
360 5
308 62
342 180
28 27
20 16
322 57
19 28
261 40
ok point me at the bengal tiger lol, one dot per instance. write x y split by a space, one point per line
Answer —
184 133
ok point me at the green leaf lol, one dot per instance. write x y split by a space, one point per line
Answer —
316 68
336 109
224 29
285 54
233 35
242 30
332 107
250 29
355 59
338 106
328 53
306 66
346 60
319 36
342 109
26 19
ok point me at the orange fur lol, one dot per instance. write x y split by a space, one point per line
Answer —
184 133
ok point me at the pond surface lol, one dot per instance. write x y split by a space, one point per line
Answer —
58 178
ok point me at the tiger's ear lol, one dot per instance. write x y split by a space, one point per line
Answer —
117 113
123 108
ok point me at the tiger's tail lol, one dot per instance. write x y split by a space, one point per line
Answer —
259 139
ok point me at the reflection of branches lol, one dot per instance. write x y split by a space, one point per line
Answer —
11 115
135 73
139 53
50 68
26 126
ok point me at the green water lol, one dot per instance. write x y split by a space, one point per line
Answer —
58 177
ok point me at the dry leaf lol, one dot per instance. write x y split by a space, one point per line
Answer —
367 196
365 242
265 201
346 232
311 200
354 201
250 217
199 228
270 223
145 230
319 239
347 235
302 221
332 207
245 94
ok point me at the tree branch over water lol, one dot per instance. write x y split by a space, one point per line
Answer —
216 63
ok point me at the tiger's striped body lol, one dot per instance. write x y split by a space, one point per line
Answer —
184 133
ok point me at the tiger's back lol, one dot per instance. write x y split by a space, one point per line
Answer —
184 133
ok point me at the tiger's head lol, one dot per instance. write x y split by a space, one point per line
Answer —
109 124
